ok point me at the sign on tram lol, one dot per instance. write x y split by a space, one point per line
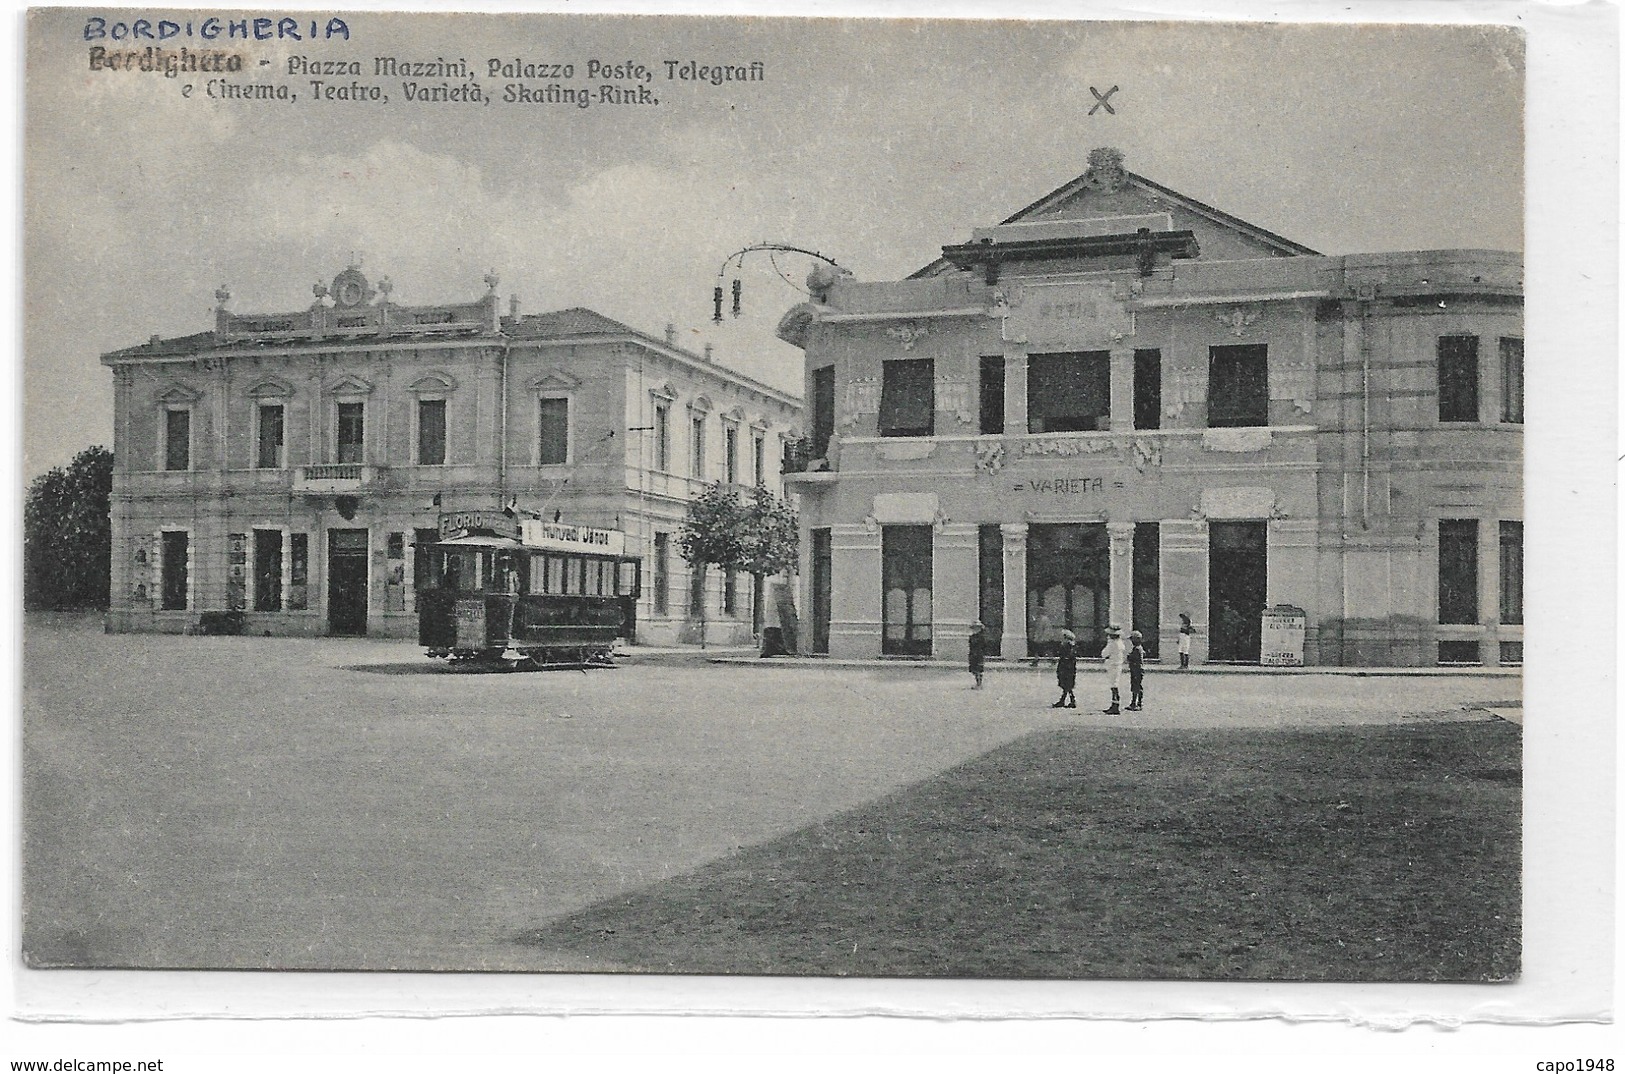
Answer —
562 538
462 523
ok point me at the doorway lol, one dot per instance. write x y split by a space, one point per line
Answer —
1068 586
905 568
347 582
1238 582
821 564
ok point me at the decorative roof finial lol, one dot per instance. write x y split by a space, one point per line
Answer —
386 287
222 296
491 281
1106 172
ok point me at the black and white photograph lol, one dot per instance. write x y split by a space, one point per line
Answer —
612 497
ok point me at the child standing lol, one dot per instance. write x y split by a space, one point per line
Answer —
1185 632
1066 670
1113 655
1136 671
978 653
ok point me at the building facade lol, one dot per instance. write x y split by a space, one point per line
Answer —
1121 405
286 466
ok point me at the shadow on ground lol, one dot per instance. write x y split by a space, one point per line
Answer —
1369 854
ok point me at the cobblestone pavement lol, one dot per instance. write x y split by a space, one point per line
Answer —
290 803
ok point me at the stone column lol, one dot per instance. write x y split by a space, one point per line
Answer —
1015 390
1122 389
1013 643
1121 538
1489 590
955 587
855 591
1184 584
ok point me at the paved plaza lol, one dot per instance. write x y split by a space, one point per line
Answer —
349 804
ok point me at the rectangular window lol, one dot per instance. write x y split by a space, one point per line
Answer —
730 454
1148 389
907 397
553 437
177 439
351 430
758 458
1458 570
1512 573
1238 388
594 584
1147 573
696 590
990 396
990 584
574 583
1069 393
267 570
696 446
1512 380
1459 652
1511 652
555 575
431 432
730 592
663 439
1458 378
662 573
271 437
823 410
298 571
174 570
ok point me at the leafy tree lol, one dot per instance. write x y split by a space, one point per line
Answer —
67 535
757 536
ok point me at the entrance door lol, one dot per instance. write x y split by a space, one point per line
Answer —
347 582
1237 571
820 591
905 554
1068 586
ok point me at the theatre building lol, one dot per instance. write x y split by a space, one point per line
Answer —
1121 404
287 467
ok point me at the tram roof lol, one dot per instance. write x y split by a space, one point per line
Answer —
480 541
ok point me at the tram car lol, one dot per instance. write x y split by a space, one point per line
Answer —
522 592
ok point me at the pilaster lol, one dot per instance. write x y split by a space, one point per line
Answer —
1013 643
1122 391
854 602
1015 391
955 568
1121 538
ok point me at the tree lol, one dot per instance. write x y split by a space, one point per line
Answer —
722 530
67 534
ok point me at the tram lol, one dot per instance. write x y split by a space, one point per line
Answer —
523 592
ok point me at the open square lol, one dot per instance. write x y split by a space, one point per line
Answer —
350 805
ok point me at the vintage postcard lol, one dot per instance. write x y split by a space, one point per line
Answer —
899 500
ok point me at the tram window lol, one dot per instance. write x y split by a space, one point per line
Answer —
555 575
538 574
572 579
595 578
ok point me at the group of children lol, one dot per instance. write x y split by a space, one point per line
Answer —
1117 657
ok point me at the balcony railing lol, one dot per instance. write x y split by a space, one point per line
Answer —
338 477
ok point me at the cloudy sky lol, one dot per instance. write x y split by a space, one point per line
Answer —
874 142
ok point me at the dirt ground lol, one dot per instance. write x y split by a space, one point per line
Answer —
344 804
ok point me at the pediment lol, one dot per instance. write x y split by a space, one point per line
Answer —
179 395
664 391
270 389
556 380
701 402
433 383
736 415
350 385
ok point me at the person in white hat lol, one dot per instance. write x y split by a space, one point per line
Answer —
1113 656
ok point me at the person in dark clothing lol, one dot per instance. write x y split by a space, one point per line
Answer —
1066 670
1185 632
978 652
1136 671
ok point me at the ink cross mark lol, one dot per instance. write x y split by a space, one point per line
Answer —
1103 100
